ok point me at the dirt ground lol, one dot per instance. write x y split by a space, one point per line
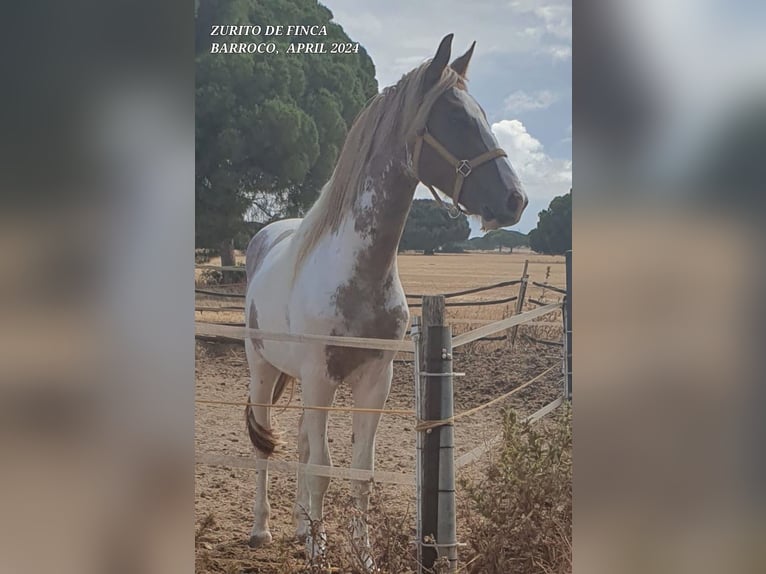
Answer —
224 496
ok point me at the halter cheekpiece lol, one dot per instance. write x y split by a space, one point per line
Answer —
463 168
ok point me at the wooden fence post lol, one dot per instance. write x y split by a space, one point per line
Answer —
520 300
437 529
568 328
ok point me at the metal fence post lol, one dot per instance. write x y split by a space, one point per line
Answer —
568 328
437 529
416 338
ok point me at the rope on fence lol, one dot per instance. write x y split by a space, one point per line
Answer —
398 412
475 454
425 425
380 476
221 308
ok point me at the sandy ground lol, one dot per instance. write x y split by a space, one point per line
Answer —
224 497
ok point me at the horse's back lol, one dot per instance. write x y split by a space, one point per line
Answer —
264 241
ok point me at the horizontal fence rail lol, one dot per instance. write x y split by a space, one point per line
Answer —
550 287
208 329
241 333
470 303
503 324
222 267
220 294
470 291
408 295
221 308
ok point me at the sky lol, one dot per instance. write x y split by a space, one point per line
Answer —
520 73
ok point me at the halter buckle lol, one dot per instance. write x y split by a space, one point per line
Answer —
464 168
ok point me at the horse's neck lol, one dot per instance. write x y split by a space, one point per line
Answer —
380 212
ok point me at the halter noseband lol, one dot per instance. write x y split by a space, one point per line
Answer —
463 168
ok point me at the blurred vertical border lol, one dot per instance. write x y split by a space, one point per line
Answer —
669 420
96 268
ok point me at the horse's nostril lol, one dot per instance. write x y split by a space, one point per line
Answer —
516 202
487 213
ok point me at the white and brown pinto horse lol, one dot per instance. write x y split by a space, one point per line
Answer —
335 273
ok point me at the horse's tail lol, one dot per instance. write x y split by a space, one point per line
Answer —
263 439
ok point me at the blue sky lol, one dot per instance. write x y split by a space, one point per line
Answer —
521 73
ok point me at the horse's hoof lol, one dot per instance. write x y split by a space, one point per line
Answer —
258 539
316 546
301 531
368 562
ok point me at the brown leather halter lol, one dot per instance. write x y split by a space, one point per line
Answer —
463 168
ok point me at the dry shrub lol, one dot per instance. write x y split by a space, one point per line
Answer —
390 532
519 515
210 277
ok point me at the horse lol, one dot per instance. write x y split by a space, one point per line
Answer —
334 272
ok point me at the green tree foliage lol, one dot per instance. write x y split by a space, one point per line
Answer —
498 239
553 234
269 127
429 227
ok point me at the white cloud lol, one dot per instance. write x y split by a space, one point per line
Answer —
555 30
521 101
543 177
560 53
557 18
502 29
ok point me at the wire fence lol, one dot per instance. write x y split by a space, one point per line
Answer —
240 333
510 335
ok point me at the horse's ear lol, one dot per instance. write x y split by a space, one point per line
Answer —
437 65
460 64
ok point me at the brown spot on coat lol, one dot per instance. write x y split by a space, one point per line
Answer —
259 247
362 302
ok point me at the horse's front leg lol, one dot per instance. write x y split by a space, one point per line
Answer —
319 392
370 391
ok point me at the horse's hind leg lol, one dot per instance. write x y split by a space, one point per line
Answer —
263 379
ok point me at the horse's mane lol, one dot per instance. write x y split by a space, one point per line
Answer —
391 118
